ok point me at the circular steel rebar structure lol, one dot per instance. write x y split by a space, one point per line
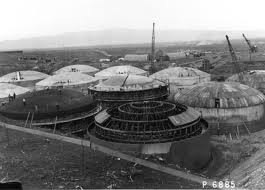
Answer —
148 122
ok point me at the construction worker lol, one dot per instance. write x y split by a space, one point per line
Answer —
24 101
14 95
57 106
36 108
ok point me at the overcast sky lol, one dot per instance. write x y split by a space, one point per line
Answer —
28 18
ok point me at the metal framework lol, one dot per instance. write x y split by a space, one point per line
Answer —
252 48
153 45
156 93
234 60
146 122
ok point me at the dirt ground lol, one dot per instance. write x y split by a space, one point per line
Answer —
240 160
40 163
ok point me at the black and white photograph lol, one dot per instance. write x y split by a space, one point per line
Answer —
132 94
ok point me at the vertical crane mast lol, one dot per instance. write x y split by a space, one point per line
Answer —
153 45
252 48
234 60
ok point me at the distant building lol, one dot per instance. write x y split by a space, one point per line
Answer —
160 55
121 59
104 60
136 57
177 55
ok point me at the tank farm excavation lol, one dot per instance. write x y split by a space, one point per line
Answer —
176 116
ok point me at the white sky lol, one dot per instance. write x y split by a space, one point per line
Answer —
27 18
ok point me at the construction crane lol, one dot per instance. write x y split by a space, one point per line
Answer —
252 48
153 45
152 56
234 60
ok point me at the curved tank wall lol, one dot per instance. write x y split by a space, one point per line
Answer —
253 78
120 70
181 78
226 121
155 127
241 109
27 84
192 153
26 78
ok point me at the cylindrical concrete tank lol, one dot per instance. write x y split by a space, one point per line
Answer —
26 79
181 77
119 70
253 78
86 69
7 89
228 107
155 127
76 81
126 88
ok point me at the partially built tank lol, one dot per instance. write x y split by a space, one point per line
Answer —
126 88
228 107
252 78
26 79
155 127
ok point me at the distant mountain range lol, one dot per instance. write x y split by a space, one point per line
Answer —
124 36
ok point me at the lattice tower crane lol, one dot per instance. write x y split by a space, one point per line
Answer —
252 48
235 61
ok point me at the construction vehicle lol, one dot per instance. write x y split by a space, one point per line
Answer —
235 61
252 48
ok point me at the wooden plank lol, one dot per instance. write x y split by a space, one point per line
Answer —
27 120
55 125
247 129
152 165
45 134
32 116
69 120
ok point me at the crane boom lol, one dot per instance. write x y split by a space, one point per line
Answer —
252 48
234 61
248 42
231 50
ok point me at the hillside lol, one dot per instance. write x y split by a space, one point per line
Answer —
123 36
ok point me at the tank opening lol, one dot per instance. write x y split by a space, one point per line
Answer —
217 102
